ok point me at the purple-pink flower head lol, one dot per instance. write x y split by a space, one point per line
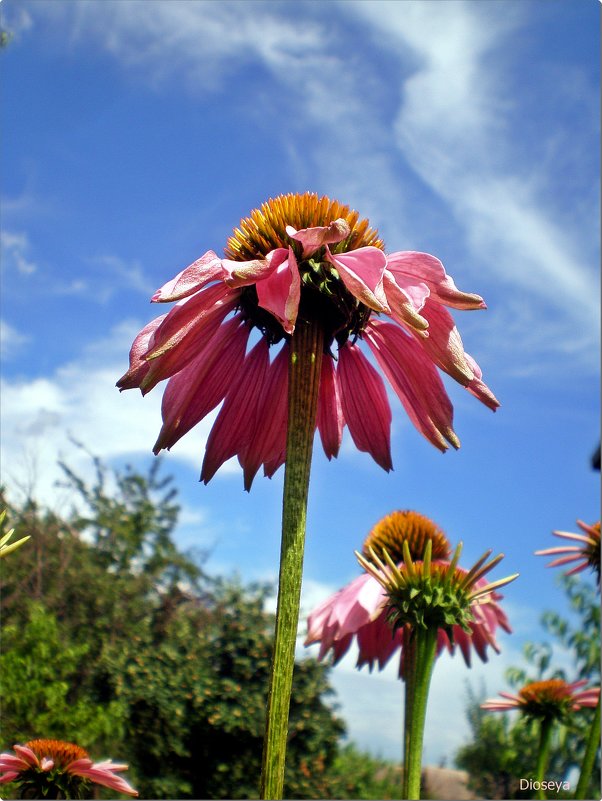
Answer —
407 561
47 766
303 259
585 550
551 698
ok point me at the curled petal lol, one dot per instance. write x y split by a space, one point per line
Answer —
27 755
415 381
139 367
231 432
444 344
403 306
361 272
243 273
412 265
330 413
9 776
280 292
197 389
207 268
365 405
477 388
313 239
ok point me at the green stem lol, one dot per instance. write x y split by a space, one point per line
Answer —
543 756
409 646
420 659
304 381
593 743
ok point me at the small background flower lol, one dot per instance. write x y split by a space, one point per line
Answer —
585 551
551 698
57 769
361 609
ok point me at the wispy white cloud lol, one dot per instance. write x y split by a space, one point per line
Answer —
16 249
11 341
456 126
104 277
79 400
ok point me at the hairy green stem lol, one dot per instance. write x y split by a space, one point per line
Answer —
409 682
304 382
419 662
589 758
543 755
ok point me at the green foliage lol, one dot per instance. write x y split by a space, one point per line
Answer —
116 640
38 670
363 776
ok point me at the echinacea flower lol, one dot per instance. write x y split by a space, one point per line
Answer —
551 698
586 553
549 702
304 259
362 608
56 769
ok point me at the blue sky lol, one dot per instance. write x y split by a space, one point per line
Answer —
136 135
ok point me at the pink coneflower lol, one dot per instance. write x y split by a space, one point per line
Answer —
362 609
301 258
53 766
549 702
586 553
551 698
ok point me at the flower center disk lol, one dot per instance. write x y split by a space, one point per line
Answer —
61 753
324 297
411 527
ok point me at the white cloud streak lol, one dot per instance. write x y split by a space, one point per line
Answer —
454 126
80 401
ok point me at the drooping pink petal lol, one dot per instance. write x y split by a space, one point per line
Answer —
361 272
194 277
377 642
404 307
11 762
479 389
197 389
444 344
27 755
179 338
280 292
186 315
9 776
231 430
269 425
330 420
412 265
314 238
365 406
415 381
139 367
102 773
